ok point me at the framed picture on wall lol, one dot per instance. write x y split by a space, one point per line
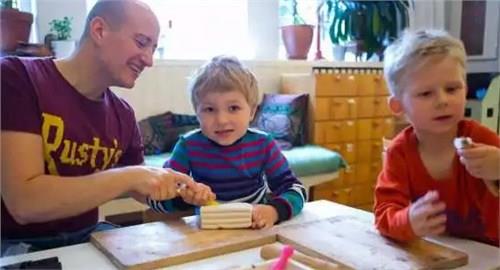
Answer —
477 25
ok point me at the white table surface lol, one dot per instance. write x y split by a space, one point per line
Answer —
86 256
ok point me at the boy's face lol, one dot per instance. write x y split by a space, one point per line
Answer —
224 116
433 95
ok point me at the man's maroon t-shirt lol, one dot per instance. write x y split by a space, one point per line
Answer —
80 136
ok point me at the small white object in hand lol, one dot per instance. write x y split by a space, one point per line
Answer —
462 142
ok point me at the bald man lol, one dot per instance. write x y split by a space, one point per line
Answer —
69 144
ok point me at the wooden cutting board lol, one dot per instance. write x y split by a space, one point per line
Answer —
346 240
157 244
356 243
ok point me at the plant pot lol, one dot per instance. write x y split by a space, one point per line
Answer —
297 40
15 27
357 47
338 52
63 48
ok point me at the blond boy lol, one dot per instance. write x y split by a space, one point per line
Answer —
239 164
427 186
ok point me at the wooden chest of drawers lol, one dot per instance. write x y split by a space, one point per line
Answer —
349 115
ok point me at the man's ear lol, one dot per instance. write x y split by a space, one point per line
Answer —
395 106
98 28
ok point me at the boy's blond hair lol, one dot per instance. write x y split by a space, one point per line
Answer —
413 47
223 74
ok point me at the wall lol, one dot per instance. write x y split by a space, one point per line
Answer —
47 10
163 87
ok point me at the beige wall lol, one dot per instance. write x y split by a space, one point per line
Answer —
163 87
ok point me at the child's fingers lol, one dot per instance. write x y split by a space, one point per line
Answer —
431 196
255 225
256 220
474 167
198 197
206 196
262 224
203 198
436 221
187 195
436 230
436 225
427 210
212 196
434 209
473 152
428 198
473 162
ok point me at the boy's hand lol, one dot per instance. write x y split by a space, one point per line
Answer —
263 216
481 161
199 195
426 215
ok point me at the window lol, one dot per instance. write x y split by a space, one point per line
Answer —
200 29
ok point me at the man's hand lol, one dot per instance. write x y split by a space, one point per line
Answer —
159 183
426 215
199 195
263 216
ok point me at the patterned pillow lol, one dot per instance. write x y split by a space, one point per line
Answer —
160 132
284 117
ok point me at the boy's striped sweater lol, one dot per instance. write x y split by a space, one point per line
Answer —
245 171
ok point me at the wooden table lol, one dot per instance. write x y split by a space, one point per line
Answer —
86 256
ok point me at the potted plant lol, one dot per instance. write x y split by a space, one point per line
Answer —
367 26
297 37
15 25
61 45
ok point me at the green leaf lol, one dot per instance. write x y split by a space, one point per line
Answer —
376 27
373 22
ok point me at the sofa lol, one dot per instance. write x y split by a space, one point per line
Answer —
282 115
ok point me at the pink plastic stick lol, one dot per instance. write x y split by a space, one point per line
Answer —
286 253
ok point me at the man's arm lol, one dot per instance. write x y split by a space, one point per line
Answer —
32 196
178 161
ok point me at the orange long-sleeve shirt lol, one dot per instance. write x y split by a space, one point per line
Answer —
472 211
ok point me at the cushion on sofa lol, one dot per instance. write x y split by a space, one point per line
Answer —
156 160
160 132
284 117
304 160
312 159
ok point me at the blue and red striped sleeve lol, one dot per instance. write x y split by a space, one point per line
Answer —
289 195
